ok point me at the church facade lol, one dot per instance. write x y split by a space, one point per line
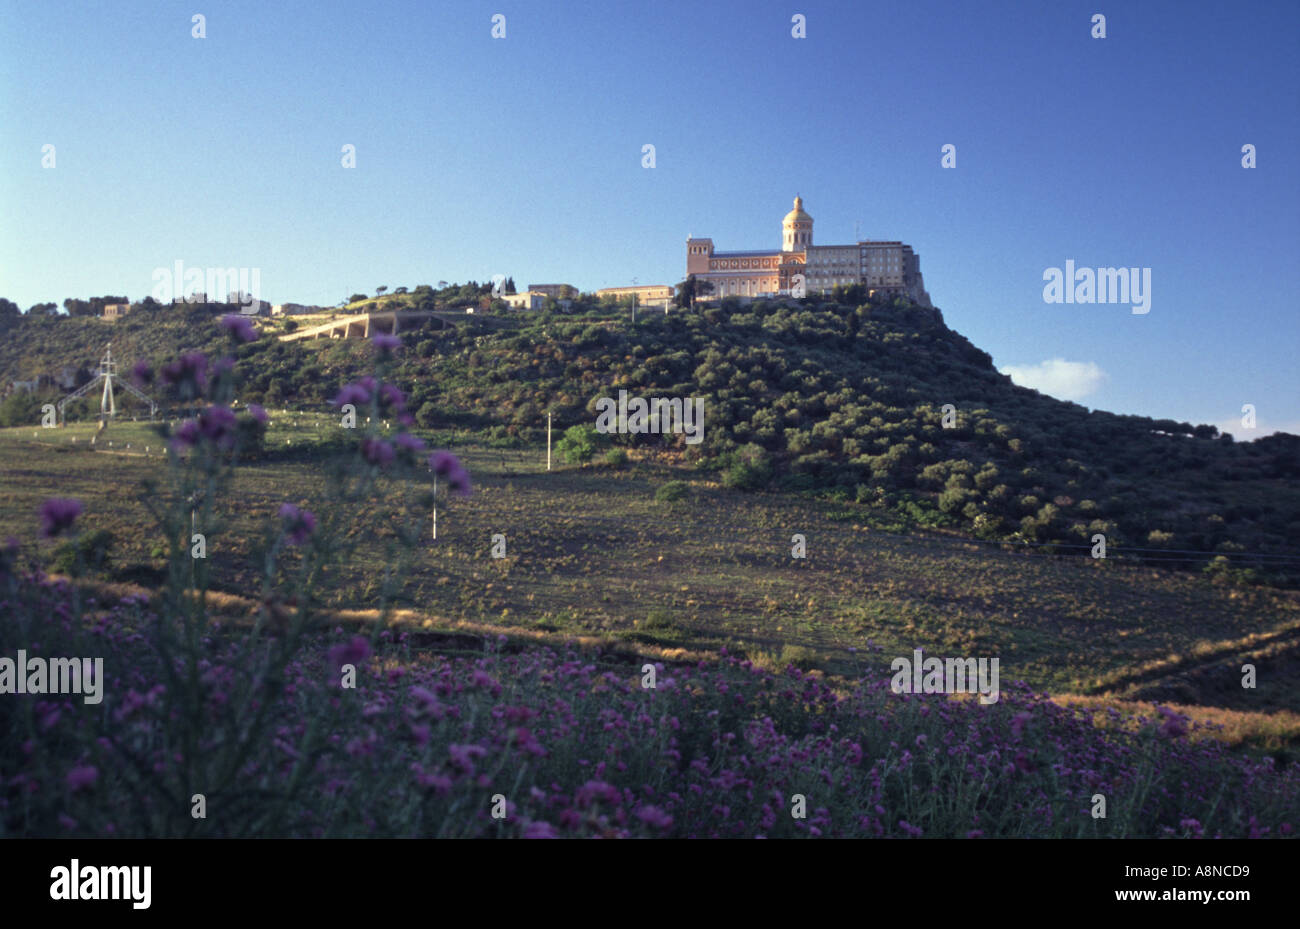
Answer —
799 267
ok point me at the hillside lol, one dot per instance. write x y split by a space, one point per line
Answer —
840 398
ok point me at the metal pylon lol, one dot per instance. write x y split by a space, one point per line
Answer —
107 402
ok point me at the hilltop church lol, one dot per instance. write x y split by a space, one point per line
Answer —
801 267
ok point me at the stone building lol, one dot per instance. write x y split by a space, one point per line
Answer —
801 267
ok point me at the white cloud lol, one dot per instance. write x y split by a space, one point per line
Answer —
1065 380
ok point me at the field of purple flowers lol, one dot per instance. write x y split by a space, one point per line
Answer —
280 727
555 744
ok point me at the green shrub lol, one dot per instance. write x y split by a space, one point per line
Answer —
672 492
20 409
89 552
578 444
616 458
774 662
743 476
427 415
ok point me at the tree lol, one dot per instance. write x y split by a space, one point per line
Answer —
510 285
689 289
9 309
357 298
43 309
399 290
379 291
578 444
20 408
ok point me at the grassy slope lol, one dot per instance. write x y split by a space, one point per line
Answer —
589 551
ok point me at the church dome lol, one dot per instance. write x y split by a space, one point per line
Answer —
797 215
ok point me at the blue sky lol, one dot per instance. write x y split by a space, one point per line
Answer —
522 156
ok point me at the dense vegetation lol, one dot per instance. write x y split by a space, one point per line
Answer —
843 397
242 714
546 743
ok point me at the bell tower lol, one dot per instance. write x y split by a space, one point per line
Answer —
796 229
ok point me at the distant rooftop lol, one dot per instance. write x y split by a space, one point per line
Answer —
761 252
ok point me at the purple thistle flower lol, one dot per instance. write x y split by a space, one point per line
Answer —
82 776
653 816
356 394
593 791
189 371
444 463
217 424
540 829
186 436
353 652
393 396
914 831
447 465
377 451
459 483
57 515
1174 726
462 756
409 442
440 783
240 327
299 523
256 411
386 343
142 373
